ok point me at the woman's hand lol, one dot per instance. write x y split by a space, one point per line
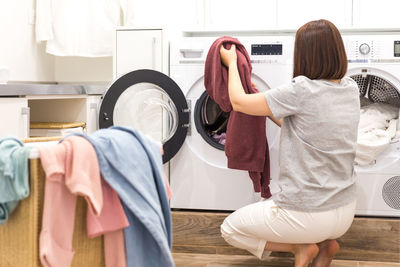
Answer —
228 56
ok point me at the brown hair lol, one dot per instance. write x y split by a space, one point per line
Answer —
319 51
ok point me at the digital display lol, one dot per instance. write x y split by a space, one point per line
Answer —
266 49
397 48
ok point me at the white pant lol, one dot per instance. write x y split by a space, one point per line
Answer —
252 226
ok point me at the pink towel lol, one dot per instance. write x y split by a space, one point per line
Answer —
70 165
167 187
72 169
110 223
112 216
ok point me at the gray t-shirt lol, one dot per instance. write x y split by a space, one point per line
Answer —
318 142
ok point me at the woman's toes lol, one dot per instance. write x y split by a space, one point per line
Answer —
305 253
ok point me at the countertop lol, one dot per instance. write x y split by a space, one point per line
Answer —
23 89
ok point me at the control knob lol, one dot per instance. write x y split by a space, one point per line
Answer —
364 49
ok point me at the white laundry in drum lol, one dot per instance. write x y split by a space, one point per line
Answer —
377 128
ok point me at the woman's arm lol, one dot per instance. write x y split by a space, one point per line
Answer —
271 117
275 120
251 104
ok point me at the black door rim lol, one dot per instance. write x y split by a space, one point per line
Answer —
172 146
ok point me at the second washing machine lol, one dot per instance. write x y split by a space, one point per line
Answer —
374 63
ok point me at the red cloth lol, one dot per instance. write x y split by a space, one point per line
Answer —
246 144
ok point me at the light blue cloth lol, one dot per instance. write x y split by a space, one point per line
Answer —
14 175
132 165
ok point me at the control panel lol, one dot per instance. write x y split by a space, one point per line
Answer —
261 49
362 49
373 48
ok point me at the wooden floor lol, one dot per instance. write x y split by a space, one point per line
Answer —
209 260
197 242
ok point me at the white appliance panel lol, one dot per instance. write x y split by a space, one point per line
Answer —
370 200
198 185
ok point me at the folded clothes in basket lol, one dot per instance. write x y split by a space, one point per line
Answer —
54 132
55 128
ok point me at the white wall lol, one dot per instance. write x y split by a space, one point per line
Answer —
293 14
28 61
83 70
173 15
25 59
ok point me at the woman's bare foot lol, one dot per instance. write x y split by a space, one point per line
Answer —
304 254
327 249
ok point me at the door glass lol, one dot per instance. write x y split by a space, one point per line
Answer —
147 108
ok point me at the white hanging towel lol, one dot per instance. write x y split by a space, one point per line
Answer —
376 129
80 27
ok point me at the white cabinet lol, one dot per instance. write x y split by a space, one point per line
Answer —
376 14
167 14
240 15
14 117
293 14
92 106
18 112
263 14
139 49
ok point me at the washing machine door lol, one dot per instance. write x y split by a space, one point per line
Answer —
151 102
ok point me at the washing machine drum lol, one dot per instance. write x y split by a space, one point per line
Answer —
213 118
211 121
377 89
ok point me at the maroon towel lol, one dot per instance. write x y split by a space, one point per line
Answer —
246 142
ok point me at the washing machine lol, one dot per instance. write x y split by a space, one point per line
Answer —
175 110
374 63
199 176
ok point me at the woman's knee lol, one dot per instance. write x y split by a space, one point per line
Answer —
226 230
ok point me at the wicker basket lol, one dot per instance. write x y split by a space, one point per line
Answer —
56 125
41 139
19 237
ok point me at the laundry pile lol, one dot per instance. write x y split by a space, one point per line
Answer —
220 138
119 172
377 128
14 177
